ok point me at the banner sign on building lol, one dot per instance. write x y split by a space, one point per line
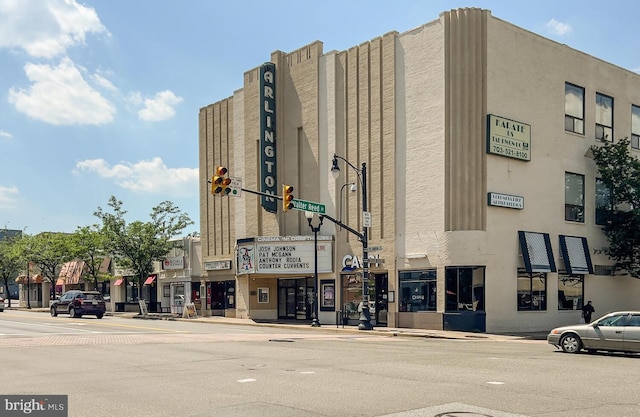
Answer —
217 265
268 171
285 255
174 262
508 138
505 200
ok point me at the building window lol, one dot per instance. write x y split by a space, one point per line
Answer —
635 127
532 291
418 290
604 117
570 292
573 197
603 202
573 108
464 288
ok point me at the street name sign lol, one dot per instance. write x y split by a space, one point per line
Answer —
308 206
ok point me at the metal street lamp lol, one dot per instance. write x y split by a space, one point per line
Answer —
365 316
315 322
353 188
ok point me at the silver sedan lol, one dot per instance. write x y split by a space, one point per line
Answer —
615 332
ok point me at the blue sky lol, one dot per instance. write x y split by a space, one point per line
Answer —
101 98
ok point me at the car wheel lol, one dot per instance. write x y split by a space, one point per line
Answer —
72 312
571 343
54 312
99 316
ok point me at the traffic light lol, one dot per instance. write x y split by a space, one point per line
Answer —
220 183
287 197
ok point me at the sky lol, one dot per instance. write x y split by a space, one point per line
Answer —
100 98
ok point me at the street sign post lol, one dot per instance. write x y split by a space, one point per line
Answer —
308 206
366 219
235 186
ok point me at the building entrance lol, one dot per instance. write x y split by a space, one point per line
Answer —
294 298
378 298
222 295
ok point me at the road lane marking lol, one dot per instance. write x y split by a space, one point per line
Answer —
246 380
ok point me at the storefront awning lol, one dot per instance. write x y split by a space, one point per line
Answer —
575 253
119 281
536 252
149 280
60 282
33 279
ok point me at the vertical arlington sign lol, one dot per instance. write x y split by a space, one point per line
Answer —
508 138
268 172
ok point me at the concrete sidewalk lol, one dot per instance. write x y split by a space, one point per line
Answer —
387 331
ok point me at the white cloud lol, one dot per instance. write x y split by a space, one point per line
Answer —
8 196
101 81
151 176
46 28
61 96
160 107
4 134
558 28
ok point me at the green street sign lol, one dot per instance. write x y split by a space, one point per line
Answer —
308 206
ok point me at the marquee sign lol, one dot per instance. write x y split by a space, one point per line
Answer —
285 256
268 171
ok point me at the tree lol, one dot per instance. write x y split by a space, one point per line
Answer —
88 244
47 251
620 174
9 264
138 244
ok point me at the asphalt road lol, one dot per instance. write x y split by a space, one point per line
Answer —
123 367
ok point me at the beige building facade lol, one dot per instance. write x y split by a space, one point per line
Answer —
480 185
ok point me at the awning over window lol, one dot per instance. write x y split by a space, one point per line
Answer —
536 252
150 280
575 253
118 282
33 279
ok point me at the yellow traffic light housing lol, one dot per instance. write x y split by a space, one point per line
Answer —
220 184
287 197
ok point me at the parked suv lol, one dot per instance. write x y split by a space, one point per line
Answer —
77 303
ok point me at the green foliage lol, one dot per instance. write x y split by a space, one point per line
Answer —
620 173
46 251
88 244
10 264
138 244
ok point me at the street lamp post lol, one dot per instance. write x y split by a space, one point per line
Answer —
315 322
365 316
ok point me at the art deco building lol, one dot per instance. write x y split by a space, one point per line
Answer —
481 194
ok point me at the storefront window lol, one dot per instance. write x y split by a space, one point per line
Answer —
132 289
464 288
418 290
570 292
351 295
532 291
